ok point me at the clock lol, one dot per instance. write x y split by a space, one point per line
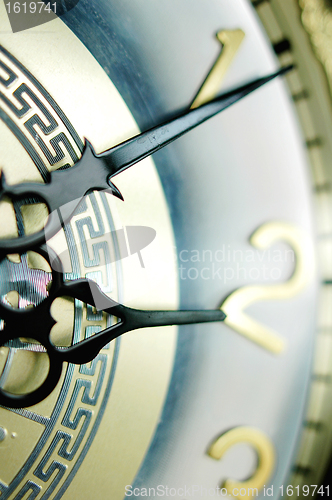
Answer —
224 217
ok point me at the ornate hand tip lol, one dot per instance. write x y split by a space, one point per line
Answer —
115 191
88 145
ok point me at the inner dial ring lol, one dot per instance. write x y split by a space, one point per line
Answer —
98 248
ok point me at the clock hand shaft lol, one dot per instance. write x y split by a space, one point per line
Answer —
145 144
130 319
66 188
37 323
86 350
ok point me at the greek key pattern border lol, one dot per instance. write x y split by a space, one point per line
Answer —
35 119
49 138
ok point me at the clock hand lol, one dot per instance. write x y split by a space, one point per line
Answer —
66 188
37 322
120 157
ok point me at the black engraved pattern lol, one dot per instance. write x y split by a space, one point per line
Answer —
48 477
9 77
31 487
101 247
30 111
67 433
74 426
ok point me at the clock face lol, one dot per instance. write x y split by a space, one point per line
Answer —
194 408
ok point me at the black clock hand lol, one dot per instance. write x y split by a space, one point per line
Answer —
36 323
66 188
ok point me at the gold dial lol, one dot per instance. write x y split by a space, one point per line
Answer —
72 413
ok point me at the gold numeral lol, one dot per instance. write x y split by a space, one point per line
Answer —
230 41
237 301
262 445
